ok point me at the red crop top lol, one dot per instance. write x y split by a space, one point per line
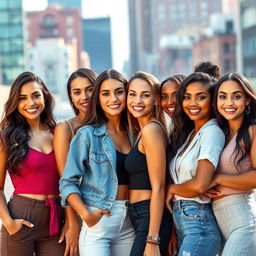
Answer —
37 174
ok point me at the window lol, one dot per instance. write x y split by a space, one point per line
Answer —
226 48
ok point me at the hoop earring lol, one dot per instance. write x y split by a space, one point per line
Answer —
247 110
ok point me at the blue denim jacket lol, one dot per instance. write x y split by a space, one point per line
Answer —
90 169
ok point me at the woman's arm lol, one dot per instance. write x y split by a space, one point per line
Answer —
198 184
154 144
242 181
11 225
70 231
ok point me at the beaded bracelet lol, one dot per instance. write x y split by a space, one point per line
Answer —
152 242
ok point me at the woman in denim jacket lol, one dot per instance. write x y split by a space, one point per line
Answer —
94 181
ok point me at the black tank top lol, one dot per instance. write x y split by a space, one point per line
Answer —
122 174
136 166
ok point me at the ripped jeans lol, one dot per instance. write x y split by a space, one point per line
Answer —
196 228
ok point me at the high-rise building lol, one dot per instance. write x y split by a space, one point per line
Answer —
97 42
11 40
247 38
56 22
66 3
153 20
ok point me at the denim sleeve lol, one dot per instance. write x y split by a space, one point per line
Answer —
74 168
212 143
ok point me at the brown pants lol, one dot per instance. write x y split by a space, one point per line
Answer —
30 241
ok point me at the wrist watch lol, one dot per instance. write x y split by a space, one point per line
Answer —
154 238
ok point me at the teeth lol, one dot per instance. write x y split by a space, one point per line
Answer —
229 109
31 110
138 108
113 106
194 111
85 104
171 109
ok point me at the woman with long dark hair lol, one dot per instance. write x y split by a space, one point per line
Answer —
234 202
146 164
79 87
94 181
32 219
195 145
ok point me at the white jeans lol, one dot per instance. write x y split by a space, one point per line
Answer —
236 217
111 236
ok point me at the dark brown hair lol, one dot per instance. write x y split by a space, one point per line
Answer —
208 68
243 136
14 127
81 72
95 115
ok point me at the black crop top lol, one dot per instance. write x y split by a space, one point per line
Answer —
122 174
136 166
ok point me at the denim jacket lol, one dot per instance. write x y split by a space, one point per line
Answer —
90 169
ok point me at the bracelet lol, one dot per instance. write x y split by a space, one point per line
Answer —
152 242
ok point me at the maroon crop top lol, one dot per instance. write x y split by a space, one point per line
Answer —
37 174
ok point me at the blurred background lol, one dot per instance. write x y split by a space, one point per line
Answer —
54 37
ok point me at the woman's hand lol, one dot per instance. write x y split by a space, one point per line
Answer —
94 217
209 194
71 236
168 199
172 246
151 250
13 226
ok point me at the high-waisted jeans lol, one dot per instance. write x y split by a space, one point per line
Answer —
196 228
236 217
111 236
139 214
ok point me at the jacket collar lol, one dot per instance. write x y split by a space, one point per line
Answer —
101 130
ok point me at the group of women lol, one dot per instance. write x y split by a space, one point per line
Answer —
119 167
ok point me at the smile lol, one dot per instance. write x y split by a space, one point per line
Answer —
138 109
194 111
229 110
116 106
31 111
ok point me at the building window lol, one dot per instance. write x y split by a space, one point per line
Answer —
226 48
69 20
227 65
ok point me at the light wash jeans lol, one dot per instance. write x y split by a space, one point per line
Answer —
111 236
196 228
236 217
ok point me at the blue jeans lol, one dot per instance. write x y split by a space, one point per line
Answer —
139 214
197 231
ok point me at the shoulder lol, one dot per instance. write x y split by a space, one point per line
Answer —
63 129
213 129
153 132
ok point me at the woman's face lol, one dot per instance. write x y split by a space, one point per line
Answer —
168 97
31 101
112 97
140 99
231 100
197 103
80 93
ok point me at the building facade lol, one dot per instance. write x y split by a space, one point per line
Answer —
97 42
12 61
153 20
247 13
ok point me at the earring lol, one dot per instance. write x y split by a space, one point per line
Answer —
247 110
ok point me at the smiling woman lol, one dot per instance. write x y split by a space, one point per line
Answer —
32 219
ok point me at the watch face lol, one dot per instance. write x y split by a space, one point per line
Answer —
156 238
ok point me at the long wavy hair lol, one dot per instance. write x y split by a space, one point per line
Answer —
155 86
81 72
182 124
14 128
243 140
95 115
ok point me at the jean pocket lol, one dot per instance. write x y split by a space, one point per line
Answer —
92 209
196 213
98 157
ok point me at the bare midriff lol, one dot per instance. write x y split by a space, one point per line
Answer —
137 195
39 197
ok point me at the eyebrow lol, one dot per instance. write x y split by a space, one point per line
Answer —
32 93
199 93
141 92
76 89
232 92
107 90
